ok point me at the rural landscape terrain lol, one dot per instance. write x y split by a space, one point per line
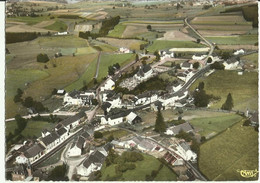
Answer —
127 90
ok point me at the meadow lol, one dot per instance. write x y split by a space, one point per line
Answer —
234 40
111 59
229 152
215 125
161 44
142 169
242 88
251 59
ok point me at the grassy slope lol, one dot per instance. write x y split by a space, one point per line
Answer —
117 31
17 79
252 58
87 76
244 39
235 149
33 128
242 88
142 169
110 59
29 20
57 26
215 124
159 45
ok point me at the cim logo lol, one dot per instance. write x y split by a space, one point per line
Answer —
248 173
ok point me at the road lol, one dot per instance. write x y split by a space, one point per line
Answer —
98 63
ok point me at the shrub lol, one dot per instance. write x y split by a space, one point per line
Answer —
42 57
98 134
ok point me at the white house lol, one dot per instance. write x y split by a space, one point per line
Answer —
144 73
72 98
72 122
91 164
239 52
108 85
175 130
198 57
45 132
231 64
164 54
124 50
174 87
61 33
186 65
50 141
63 133
146 98
133 118
183 149
76 147
170 99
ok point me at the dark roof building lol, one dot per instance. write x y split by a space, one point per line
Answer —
61 131
50 138
96 158
143 69
74 118
34 150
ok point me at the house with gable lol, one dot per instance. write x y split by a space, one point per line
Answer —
133 118
50 141
175 130
124 50
174 86
144 72
231 63
72 122
72 98
126 116
63 133
239 52
173 159
186 65
198 57
165 54
77 146
183 149
146 98
91 164
108 85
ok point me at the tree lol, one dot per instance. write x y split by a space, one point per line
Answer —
201 99
156 53
98 135
209 60
160 125
42 57
58 173
217 66
54 91
198 41
195 146
21 122
111 70
28 102
201 85
225 55
149 27
136 57
196 65
228 105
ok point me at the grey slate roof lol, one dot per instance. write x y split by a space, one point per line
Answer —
74 118
61 131
80 142
96 157
186 127
50 138
186 64
185 146
105 105
34 150
118 115
144 69
85 135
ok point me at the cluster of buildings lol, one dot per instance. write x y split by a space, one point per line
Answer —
31 151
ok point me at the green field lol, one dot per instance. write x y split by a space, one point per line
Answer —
233 40
251 59
57 26
242 88
116 133
117 31
68 41
29 20
16 79
110 59
9 58
86 77
160 45
236 149
85 50
142 169
33 128
214 125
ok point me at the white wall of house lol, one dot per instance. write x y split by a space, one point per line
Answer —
75 151
230 66
130 117
83 171
186 155
141 101
111 121
109 85
146 76
176 88
72 101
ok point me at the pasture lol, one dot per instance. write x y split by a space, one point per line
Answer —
234 40
242 88
214 125
162 44
142 169
251 59
117 31
111 59
229 152
132 44
57 26
15 79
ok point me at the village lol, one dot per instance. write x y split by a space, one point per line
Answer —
131 98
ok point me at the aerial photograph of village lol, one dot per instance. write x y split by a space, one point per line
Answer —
128 90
